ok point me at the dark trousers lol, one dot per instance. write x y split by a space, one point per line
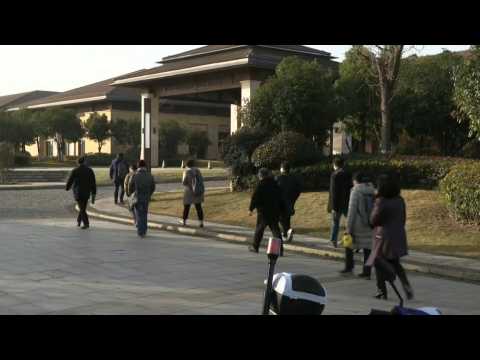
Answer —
285 222
399 271
336 217
350 263
82 215
141 216
262 224
119 187
186 211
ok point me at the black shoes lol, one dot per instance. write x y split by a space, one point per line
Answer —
346 272
381 295
84 227
253 249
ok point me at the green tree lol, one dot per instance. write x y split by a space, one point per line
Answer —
467 92
198 143
300 97
64 125
423 105
20 132
357 98
98 129
171 134
41 128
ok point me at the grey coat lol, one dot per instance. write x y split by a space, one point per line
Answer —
358 219
188 196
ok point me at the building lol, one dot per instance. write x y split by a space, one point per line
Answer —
224 75
101 98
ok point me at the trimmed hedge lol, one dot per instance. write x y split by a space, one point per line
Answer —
99 159
22 159
461 190
290 147
413 172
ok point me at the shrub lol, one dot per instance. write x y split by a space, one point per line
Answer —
198 143
413 172
471 150
170 135
99 159
461 191
23 159
288 146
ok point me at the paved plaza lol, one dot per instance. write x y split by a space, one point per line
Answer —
49 266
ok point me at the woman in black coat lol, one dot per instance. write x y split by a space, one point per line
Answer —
390 239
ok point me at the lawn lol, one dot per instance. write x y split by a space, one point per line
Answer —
429 227
161 175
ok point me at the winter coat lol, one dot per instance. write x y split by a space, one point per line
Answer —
82 179
291 190
118 170
189 197
390 237
143 185
358 217
267 199
126 183
340 185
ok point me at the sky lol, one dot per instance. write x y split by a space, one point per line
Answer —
63 67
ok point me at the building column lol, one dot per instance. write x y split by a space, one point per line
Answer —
248 89
150 117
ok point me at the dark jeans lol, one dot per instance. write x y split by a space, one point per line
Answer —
262 224
285 222
336 216
350 263
141 215
82 215
186 211
399 271
119 185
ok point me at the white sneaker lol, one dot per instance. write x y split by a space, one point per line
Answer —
289 236
182 222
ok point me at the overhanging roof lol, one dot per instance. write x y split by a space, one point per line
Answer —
100 91
220 57
18 101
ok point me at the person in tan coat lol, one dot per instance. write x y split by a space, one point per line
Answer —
194 192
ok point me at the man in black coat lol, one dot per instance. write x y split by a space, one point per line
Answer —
82 179
291 190
267 200
118 172
340 186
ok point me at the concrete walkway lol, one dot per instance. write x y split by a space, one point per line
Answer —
438 265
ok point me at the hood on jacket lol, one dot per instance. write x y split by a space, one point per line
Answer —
365 188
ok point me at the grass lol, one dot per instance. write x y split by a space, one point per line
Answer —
161 175
429 227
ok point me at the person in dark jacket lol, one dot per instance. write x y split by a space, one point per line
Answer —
142 186
267 200
390 239
118 172
340 186
82 179
291 190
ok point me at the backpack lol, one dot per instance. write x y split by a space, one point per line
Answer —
122 169
368 203
197 184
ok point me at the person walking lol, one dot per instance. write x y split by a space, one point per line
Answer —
194 192
142 185
291 190
130 196
390 238
82 180
340 185
362 198
118 172
268 201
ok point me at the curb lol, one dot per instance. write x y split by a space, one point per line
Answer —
444 271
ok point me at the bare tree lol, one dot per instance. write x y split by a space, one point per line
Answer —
385 63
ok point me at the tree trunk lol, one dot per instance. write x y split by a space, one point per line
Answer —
99 147
386 132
